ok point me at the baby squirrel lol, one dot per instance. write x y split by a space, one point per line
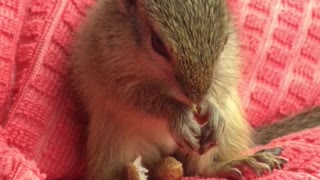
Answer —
143 68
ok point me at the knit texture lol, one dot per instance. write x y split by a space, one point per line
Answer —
42 133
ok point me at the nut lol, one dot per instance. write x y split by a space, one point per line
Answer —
168 169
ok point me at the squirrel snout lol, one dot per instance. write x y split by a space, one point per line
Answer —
195 87
196 96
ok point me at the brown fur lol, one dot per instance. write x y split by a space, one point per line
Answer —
140 103
305 120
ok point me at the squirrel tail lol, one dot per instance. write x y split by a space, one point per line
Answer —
301 121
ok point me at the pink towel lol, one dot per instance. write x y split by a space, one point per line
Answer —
42 133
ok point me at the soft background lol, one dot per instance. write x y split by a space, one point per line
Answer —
42 131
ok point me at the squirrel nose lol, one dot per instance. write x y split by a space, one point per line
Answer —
197 97
194 90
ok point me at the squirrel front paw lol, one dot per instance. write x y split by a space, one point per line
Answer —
186 131
213 127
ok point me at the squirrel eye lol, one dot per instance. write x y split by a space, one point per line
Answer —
159 46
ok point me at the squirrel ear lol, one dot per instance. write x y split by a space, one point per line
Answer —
125 6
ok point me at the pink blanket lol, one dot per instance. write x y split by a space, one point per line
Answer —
42 133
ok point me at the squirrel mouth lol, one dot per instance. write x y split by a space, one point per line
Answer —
200 113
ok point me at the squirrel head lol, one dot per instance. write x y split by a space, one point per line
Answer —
182 38
191 35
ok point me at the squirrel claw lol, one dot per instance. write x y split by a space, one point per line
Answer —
187 145
267 160
260 162
207 140
235 174
271 157
275 151
187 134
231 173
212 130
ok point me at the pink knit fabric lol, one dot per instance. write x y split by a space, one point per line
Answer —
42 133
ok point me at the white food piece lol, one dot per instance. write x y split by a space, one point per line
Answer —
142 171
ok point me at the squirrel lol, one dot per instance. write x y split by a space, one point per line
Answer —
146 70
